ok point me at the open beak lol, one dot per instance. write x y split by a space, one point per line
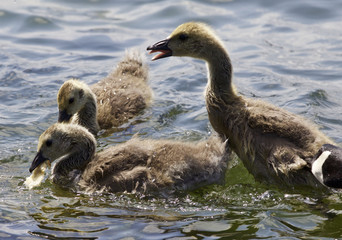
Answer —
161 47
38 159
63 116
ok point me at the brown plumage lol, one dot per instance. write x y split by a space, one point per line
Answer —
276 146
145 165
114 100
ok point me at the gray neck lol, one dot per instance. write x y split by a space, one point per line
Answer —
220 72
87 116
74 163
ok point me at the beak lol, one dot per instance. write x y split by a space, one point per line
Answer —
162 47
38 159
63 116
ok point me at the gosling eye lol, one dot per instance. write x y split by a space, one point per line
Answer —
48 142
183 37
71 100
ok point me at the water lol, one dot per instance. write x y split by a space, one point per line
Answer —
285 52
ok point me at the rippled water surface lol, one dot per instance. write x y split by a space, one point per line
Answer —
285 52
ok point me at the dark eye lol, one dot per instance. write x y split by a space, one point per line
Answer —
71 100
48 142
183 37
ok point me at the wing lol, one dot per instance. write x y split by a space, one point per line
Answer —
279 122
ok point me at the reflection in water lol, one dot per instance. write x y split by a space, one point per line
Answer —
244 209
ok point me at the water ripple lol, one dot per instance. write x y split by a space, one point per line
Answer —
285 52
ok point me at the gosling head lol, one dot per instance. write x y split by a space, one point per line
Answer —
58 140
327 166
192 39
71 98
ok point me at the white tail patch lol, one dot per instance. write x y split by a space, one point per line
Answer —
316 168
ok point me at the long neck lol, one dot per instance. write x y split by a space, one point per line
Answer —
221 99
87 116
74 163
220 72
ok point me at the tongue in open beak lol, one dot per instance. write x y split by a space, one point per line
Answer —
161 47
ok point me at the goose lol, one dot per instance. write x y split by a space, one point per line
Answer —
138 165
114 100
276 146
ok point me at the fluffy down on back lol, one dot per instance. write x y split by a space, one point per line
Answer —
162 166
124 93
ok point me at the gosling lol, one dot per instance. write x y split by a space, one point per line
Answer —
276 146
114 100
147 166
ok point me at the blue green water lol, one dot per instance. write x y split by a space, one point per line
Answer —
285 52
